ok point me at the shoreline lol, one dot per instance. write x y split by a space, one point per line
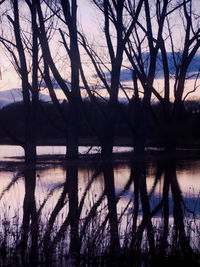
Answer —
117 158
119 141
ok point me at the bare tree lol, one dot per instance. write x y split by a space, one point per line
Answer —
115 22
70 15
187 51
69 18
148 48
20 60
142 52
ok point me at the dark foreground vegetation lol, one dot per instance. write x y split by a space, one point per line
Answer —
73 225
50 130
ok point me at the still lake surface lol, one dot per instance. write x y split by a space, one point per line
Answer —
76 207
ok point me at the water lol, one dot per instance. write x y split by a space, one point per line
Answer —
95 208
15 153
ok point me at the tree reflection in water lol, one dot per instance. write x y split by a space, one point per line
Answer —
102 227
30 216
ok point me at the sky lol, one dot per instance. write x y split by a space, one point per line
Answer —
87 16
91 23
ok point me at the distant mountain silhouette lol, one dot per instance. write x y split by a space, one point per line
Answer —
15 95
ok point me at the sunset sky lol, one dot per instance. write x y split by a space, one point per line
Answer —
91 22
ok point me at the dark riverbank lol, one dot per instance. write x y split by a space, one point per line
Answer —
50 128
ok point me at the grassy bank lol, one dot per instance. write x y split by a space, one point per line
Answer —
95 247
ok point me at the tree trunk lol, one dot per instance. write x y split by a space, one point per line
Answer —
142 112
29 108
73 129
70 14
109 130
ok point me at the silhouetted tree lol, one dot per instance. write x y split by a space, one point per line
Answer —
142 52
69 18
114 19
29 88
181 62
147 49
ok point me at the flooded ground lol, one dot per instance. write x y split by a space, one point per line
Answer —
132 213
